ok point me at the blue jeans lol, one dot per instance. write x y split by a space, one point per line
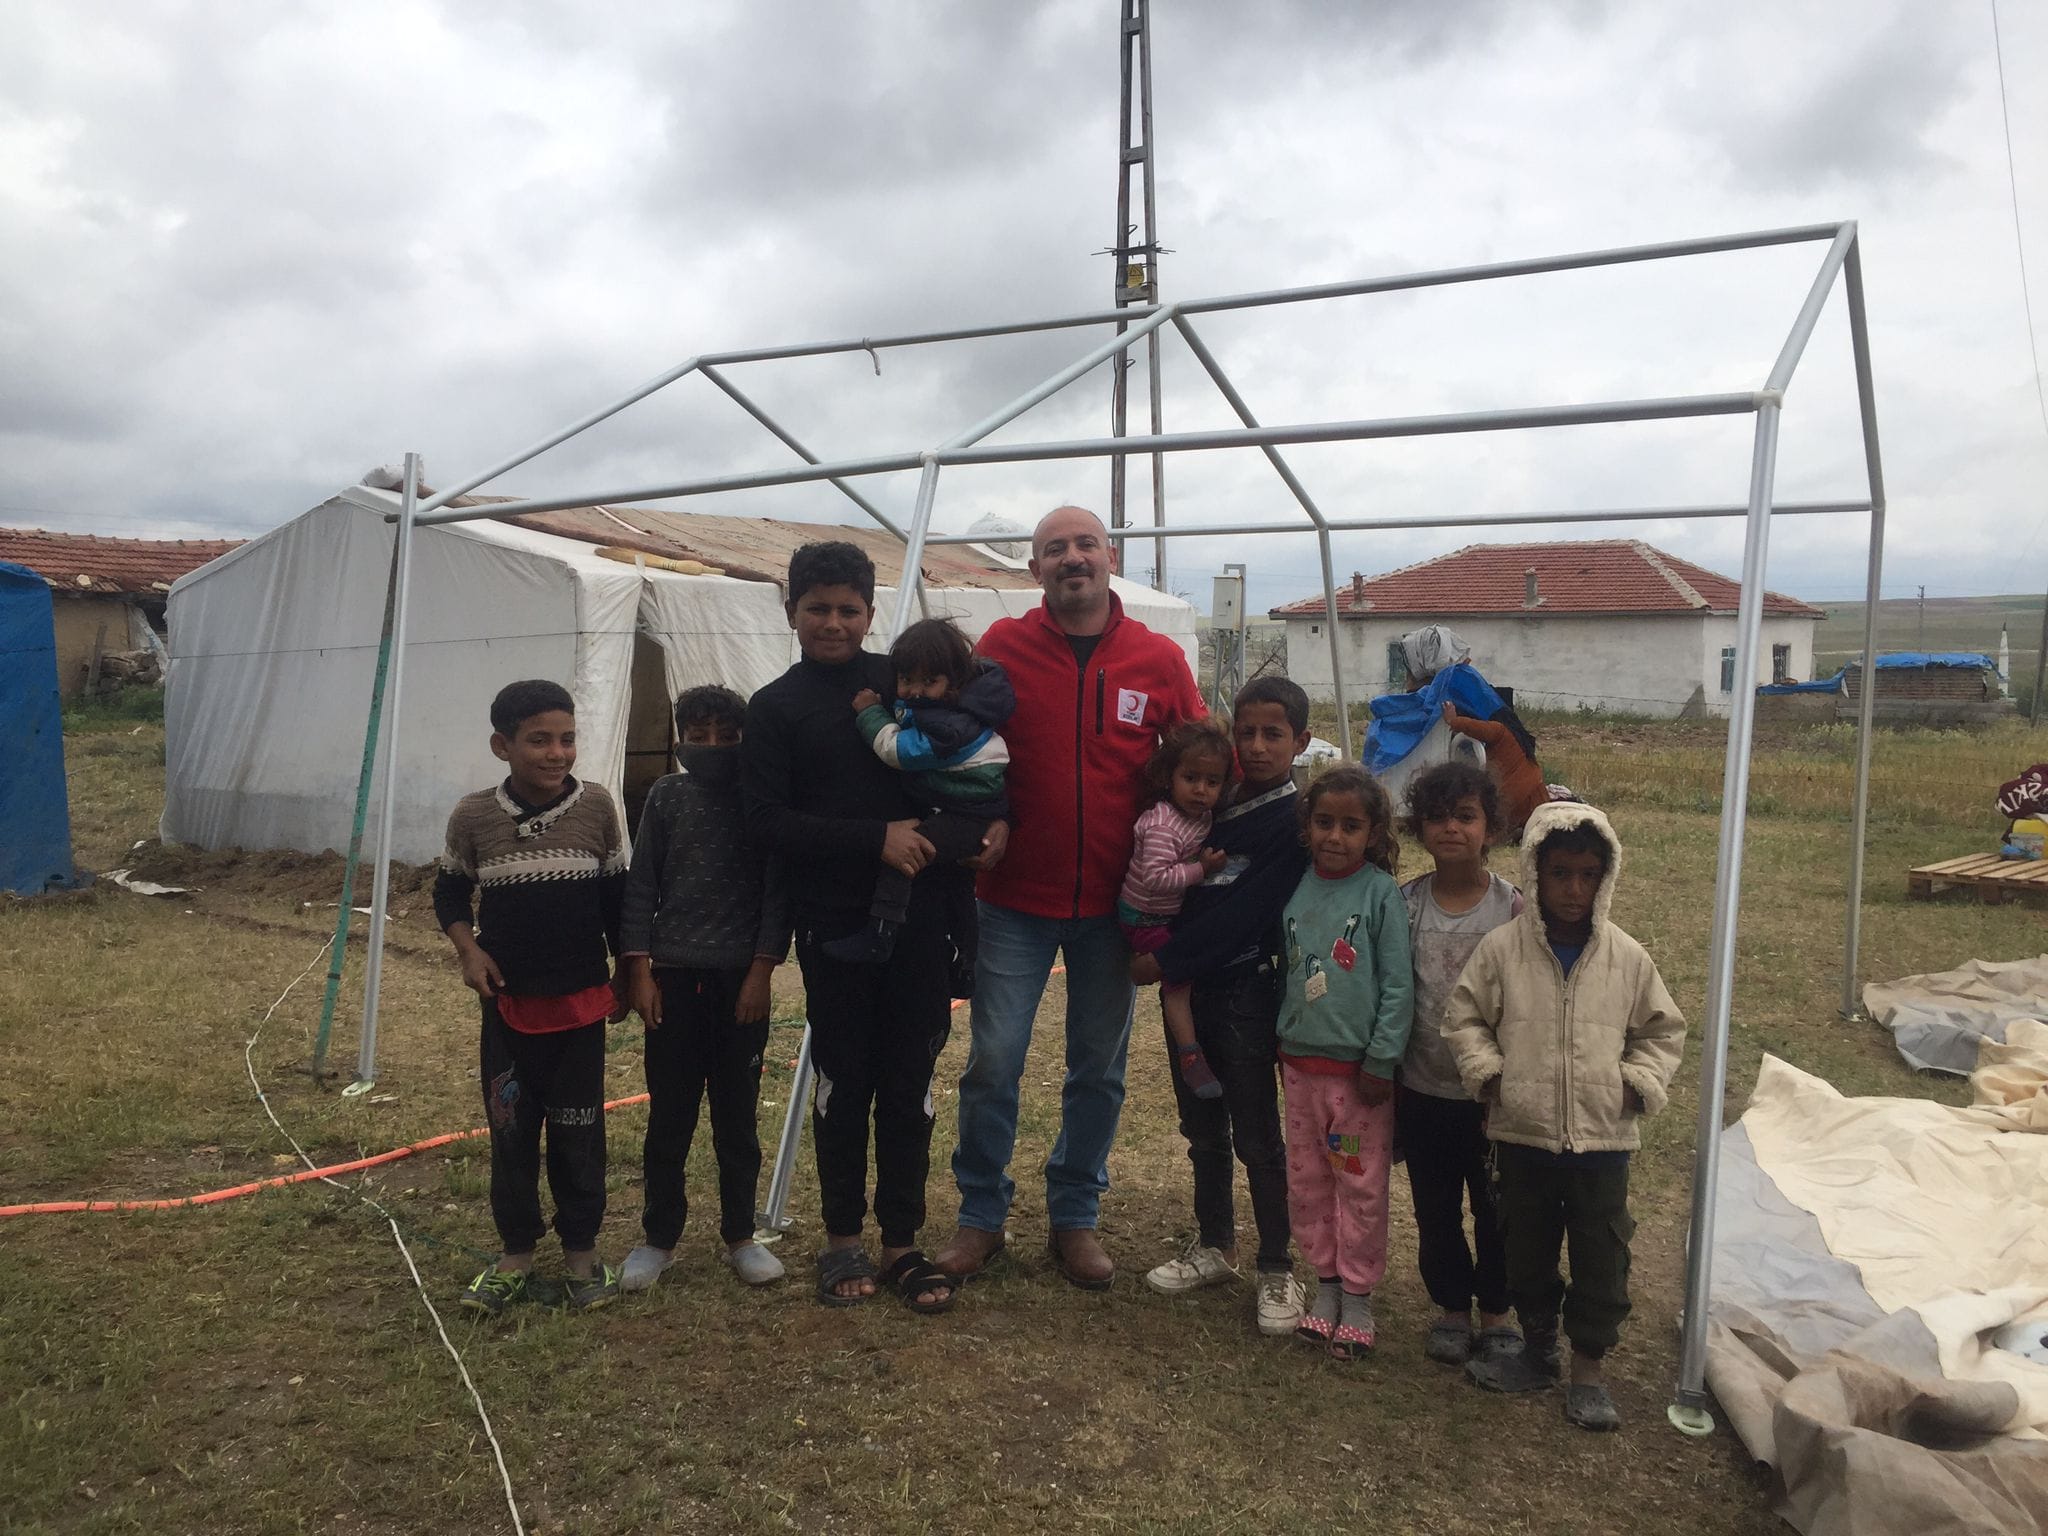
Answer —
1017 953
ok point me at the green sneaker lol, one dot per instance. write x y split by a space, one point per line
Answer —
494 1290
586 1293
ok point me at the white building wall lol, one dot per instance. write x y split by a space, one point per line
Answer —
1718 634
1654 665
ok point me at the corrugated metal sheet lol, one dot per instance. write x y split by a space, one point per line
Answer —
752 548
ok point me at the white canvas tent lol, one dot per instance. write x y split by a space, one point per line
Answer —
273 648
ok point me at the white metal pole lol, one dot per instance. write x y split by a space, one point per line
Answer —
773 1219
387 805
1866 398
1475 520
741 399
1336 645
967 447
1689 1411
1117 346
912 580
1293 483
1574 261
746 403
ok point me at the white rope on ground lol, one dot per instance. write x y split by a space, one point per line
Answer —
497 1451
398 1237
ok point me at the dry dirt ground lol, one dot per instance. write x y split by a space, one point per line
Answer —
266 1363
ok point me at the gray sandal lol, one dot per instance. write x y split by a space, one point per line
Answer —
1496 1343
835 1267
1449 1341
1590 1407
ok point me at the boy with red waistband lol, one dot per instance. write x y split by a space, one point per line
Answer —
548 853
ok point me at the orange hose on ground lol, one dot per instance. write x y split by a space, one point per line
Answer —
214 1196
234 1192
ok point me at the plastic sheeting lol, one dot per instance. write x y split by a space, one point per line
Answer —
1402 721
1818 685
1970 661
1408 730
35 815
1871 1259
274 647
1938 1021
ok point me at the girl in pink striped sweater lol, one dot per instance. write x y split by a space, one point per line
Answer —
1187 777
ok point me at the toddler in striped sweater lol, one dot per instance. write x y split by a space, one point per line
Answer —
1187 777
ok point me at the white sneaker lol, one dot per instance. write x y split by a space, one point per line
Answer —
643 1267
1279 1301
754 1264
1196 1267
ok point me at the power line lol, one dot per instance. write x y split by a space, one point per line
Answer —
2019 244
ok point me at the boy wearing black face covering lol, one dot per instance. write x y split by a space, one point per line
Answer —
703 927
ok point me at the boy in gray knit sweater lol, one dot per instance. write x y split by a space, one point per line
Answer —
703 927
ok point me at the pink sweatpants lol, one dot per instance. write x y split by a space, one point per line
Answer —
1339 1149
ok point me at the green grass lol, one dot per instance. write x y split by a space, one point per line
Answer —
266 1365
131 706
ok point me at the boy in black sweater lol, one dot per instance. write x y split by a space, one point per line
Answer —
818 798
1225 944
549 855
703 928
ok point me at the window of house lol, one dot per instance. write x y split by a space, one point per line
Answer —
1727 669
1315 629
1781 663
1397 667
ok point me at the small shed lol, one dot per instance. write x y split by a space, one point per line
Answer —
1929 687
109 594
35 849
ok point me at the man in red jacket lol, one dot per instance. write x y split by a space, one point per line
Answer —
1095 690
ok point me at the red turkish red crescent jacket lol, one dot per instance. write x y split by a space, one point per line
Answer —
1078 745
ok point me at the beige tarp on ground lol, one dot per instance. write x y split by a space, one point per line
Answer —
1867 1253
1938 1020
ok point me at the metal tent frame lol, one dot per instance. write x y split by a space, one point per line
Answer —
1134 324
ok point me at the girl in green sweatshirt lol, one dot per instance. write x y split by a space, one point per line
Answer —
1343 1029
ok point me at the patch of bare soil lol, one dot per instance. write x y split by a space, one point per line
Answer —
277 881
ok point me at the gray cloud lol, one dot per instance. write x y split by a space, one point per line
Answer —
242 259
1823 99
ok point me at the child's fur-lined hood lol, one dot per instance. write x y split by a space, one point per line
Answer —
1557 816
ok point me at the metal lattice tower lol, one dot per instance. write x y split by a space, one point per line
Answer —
1136 252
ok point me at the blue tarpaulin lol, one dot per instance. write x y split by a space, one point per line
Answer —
1401 720
1818 685
1975 661
35 819
1970 661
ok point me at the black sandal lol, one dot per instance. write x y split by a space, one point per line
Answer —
913 1275
835 1267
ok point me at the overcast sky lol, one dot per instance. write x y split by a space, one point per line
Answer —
244 258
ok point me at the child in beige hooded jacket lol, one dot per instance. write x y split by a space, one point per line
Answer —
1562 1026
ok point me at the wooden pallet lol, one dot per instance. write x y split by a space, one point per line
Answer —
1992 878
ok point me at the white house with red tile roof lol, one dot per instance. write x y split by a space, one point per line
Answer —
1608 624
